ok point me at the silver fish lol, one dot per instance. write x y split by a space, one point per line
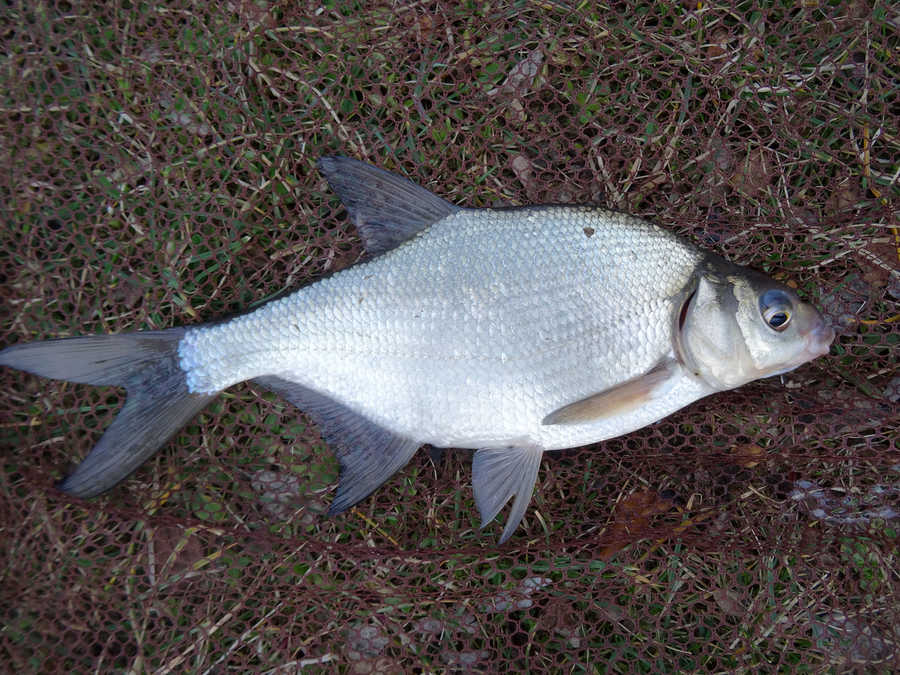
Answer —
511 331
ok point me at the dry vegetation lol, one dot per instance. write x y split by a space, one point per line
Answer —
158 169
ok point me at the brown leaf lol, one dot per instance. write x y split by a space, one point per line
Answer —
753 174
522 76
718 43
632 520
879 261
748 456
518 84
521 166
172 541
843 197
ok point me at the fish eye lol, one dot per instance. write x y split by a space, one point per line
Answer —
777 318
775 307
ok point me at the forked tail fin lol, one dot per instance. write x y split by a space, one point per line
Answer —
158 404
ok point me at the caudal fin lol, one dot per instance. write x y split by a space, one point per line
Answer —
158 404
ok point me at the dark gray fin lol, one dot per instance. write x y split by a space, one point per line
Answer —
500 473
158 404
369 454
387 209
617 400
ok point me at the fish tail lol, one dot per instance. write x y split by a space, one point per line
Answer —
159 402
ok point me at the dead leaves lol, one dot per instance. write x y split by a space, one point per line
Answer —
632 521
521 80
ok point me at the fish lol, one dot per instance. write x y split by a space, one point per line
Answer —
509 331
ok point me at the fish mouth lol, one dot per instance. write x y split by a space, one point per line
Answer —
818 342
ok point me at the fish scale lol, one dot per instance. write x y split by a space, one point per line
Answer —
437 314
508 331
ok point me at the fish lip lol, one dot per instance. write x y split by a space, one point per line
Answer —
818 342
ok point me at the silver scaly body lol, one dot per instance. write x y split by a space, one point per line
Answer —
478 328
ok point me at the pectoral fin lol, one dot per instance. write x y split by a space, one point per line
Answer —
500 473
617 400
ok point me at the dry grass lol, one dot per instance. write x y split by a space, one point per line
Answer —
158 170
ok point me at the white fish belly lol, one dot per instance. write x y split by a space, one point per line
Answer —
472 332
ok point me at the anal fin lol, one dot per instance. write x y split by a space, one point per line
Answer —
369 454
500 473
617 400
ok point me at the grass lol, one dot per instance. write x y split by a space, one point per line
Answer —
160 171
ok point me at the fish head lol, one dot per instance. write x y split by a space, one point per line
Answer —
739 325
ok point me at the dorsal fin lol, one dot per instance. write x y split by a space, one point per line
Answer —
387 209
